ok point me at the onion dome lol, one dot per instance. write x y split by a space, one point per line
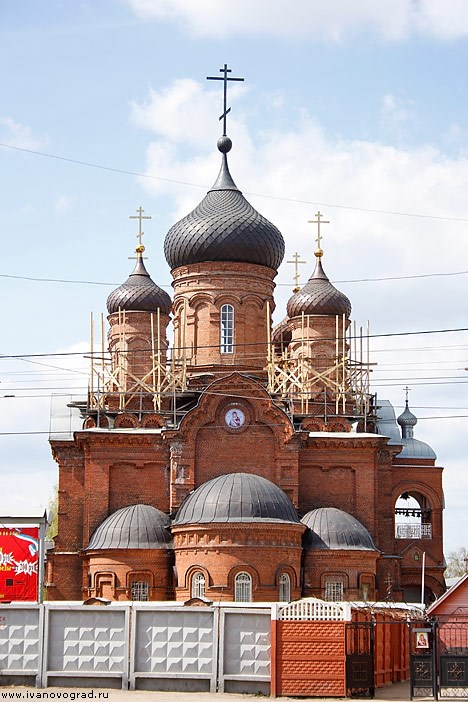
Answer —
332 529
407 421
137 526
319 296
139 293
224 227
236 497
281 333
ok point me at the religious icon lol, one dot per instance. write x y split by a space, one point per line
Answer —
234 418
422 640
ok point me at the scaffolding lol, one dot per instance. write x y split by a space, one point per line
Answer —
113 383
341 389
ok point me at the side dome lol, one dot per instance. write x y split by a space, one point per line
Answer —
224 227
414 448
137 526
329 528
139 293
319 296
236 497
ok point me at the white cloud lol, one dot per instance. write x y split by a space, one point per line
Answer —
330 20
19 135
62 204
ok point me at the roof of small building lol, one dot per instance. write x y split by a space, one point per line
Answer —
236 497
139 293
332 529
224 227
136 526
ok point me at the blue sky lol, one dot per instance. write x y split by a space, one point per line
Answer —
358 109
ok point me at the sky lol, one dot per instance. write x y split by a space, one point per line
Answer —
358 110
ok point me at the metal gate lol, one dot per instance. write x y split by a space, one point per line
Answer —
360 659
452 646
423 669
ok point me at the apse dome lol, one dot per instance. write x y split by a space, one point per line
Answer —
137 526
236 497
330 528
139 293
224 227
319 296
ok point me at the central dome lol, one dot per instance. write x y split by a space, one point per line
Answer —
224 227
237 497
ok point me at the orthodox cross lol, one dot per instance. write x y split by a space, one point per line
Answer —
318 222
296 262
225 78
407 391
140 217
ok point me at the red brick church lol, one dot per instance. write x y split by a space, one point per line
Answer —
244 462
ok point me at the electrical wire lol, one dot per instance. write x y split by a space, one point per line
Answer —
122 171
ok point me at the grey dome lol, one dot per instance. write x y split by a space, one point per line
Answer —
407 418
137 526
236 497
413 448
139 293
224 227
332 529
319 296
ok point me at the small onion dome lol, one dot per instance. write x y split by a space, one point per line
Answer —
139 293
407 419
332 529
137 526
236 497
224 227
319 296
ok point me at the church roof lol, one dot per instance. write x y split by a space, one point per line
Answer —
319 296
139 293
414 448
224 227
332 529
137 526
236 497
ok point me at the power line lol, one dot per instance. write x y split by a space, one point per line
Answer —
123 171
280 285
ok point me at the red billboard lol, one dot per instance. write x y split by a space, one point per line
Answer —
19 564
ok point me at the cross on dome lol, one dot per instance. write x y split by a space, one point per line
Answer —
296 263
225 78
318 222
140 217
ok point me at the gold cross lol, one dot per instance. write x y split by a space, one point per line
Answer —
296 262
318 222
139 216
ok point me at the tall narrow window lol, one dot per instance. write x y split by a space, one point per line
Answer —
243 588
198 585
284 594
227 329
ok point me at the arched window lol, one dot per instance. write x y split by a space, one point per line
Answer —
243 588
198 584
412 517
284 594
227 329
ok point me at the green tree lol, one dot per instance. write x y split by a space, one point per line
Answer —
457 562
52 513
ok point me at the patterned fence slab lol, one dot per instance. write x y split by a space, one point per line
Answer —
21 635
172 645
